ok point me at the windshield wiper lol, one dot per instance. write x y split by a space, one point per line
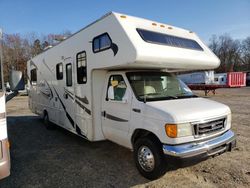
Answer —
186 96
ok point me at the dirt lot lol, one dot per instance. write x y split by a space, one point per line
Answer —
42 158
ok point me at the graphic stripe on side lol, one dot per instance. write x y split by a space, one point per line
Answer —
114 118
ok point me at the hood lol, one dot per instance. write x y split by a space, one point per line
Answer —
187 110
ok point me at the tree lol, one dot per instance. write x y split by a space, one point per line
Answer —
246 53
228 51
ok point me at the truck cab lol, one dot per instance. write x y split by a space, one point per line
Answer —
157 115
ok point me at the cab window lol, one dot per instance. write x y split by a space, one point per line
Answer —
116 88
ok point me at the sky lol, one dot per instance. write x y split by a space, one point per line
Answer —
205 17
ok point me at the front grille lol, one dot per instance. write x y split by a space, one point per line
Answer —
209 127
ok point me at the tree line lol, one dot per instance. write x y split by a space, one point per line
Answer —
18 49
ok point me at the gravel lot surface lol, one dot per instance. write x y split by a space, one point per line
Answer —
57 158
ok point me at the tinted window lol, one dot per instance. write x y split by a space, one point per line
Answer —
33 76
81 64
169 40
59 71
69 74
101 42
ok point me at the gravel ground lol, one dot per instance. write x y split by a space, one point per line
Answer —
57 158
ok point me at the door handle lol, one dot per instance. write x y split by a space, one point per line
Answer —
104 113
136 110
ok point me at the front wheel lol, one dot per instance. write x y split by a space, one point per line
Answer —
149 158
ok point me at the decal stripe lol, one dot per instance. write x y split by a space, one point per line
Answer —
84 100
77 102
45 94
114 118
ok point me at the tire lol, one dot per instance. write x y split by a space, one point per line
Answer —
46 122
155 165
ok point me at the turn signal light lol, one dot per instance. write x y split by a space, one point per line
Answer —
171 130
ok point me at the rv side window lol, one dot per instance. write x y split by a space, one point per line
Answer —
169 40
33 76
101 42
81 63
116 88
59 71
69 74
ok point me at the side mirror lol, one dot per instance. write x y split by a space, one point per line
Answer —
16 81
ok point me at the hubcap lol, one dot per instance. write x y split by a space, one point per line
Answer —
146 158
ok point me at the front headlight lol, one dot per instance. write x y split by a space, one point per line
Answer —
178 130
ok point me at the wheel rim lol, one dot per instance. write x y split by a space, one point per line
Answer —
146 158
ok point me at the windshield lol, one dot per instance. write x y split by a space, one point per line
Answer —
153 86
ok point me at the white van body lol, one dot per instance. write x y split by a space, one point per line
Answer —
220 78
99 58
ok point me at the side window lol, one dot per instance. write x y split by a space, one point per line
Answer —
69 74
33 76
101 42
59 71
81 63
116 88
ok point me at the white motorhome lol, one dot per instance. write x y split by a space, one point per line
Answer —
114 80
4 143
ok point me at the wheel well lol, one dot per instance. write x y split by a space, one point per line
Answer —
45 112
139 133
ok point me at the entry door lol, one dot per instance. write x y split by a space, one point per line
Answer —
69 94
116 110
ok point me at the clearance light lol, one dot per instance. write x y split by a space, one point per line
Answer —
162 25
170 27
123 16
171 130
190 31
154 24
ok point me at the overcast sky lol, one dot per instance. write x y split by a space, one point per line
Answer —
205 17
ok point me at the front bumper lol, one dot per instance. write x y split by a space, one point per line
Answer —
217 145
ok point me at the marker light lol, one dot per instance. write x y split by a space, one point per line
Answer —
123 16
171 130
154 24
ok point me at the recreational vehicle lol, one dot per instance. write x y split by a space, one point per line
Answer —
4 144
115 80
16 84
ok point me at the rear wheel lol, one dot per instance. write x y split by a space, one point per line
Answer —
149 158
46 122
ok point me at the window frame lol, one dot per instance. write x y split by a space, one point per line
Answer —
113 100
139 30
99 42
33 81
66 70
57 71
83 82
